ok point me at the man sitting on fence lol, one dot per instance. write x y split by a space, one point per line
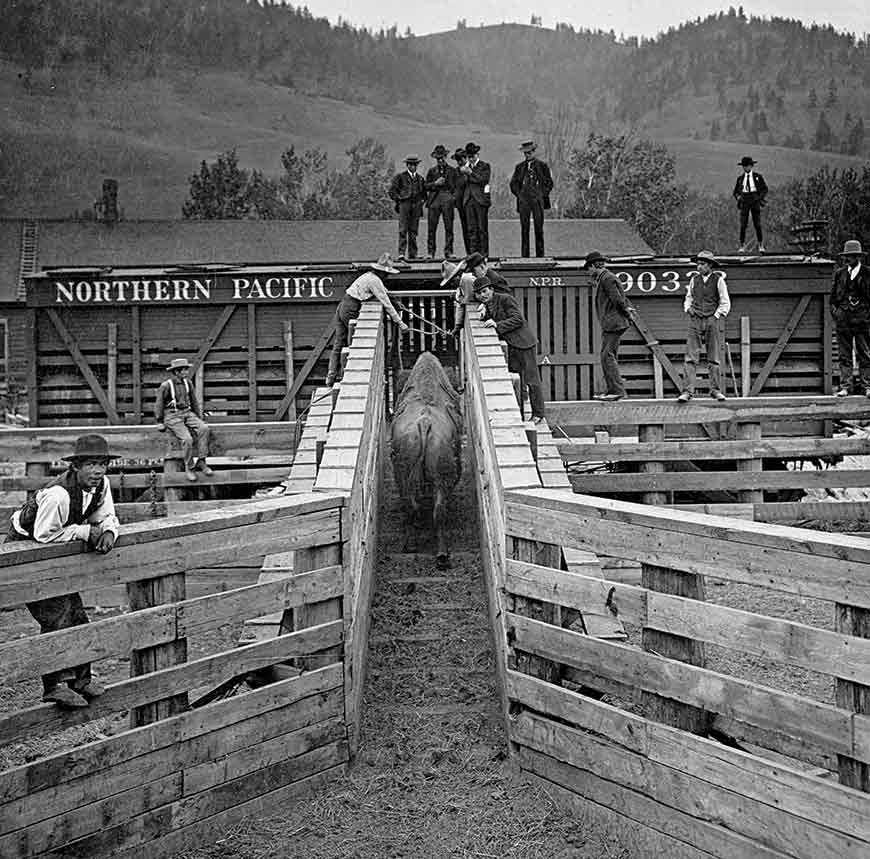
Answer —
77 505
178 410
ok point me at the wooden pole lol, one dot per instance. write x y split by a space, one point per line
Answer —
745 357
112 364
136 368
147 593
749 432
288 366
652 432
171 467
854 697
252 362
658 378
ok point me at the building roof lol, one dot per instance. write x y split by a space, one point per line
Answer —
69 244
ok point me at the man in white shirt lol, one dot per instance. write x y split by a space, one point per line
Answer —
707 301
850 307
77 505
750 192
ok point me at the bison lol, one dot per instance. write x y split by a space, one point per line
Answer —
427 446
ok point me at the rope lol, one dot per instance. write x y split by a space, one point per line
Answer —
437 328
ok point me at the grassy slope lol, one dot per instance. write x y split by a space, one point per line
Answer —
59 141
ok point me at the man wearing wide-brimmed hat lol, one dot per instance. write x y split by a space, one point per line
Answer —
706 303
408 191
477 199
440 200
460 158
463 274
369 285
76 505
615 313
531 184
750 192
178 410
850 306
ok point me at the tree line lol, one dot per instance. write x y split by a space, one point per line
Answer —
606 176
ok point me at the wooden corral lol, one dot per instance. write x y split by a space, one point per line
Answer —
733 453
195 762
258 335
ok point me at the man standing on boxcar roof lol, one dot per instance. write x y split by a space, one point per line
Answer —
461 184
850 307
407 191
750 192
477 199
531 184
440 190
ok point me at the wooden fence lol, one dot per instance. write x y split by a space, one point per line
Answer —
198 758
738 453
190 763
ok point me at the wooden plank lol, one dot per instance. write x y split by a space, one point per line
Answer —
211 337
315 612
136 360
790 559
32 333
777 784
64 779
307 367
655 347
252 361
289 371
82 364
652 434
778 448
689 793
790 326
112 363
852 694
694 481
746 357
141 690
751 432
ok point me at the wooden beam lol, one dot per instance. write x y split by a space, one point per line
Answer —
83 366
211 337
112 363
655 347
778 347
652 434
746 358
136 340
750 432
300 380
32 324
288 365
252 361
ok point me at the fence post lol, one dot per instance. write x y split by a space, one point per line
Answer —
749 432
312 614
652 432
852 620
547 555
745 357
289 372
147 593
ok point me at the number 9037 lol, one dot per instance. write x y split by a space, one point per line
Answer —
648 281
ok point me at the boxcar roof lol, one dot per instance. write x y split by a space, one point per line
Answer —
88 244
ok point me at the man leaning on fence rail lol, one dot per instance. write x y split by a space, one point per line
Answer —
77 505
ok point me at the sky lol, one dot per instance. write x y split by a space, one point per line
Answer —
624 17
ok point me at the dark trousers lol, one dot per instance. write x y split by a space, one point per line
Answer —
703 332
609 364
747 208
441 207
525 362
348 309
531 210
409 222
855 330
57 613
463 223
477 216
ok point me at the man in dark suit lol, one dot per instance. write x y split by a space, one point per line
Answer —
407 191
531 185
850 307
440 200
750 192
502 312
614 313
477 199
461 184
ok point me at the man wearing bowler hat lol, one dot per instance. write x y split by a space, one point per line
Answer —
615 313
750 192
463 274
460 158
178 411
477 199
77 505
440 200
706 302
408 191
850 307
531 184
